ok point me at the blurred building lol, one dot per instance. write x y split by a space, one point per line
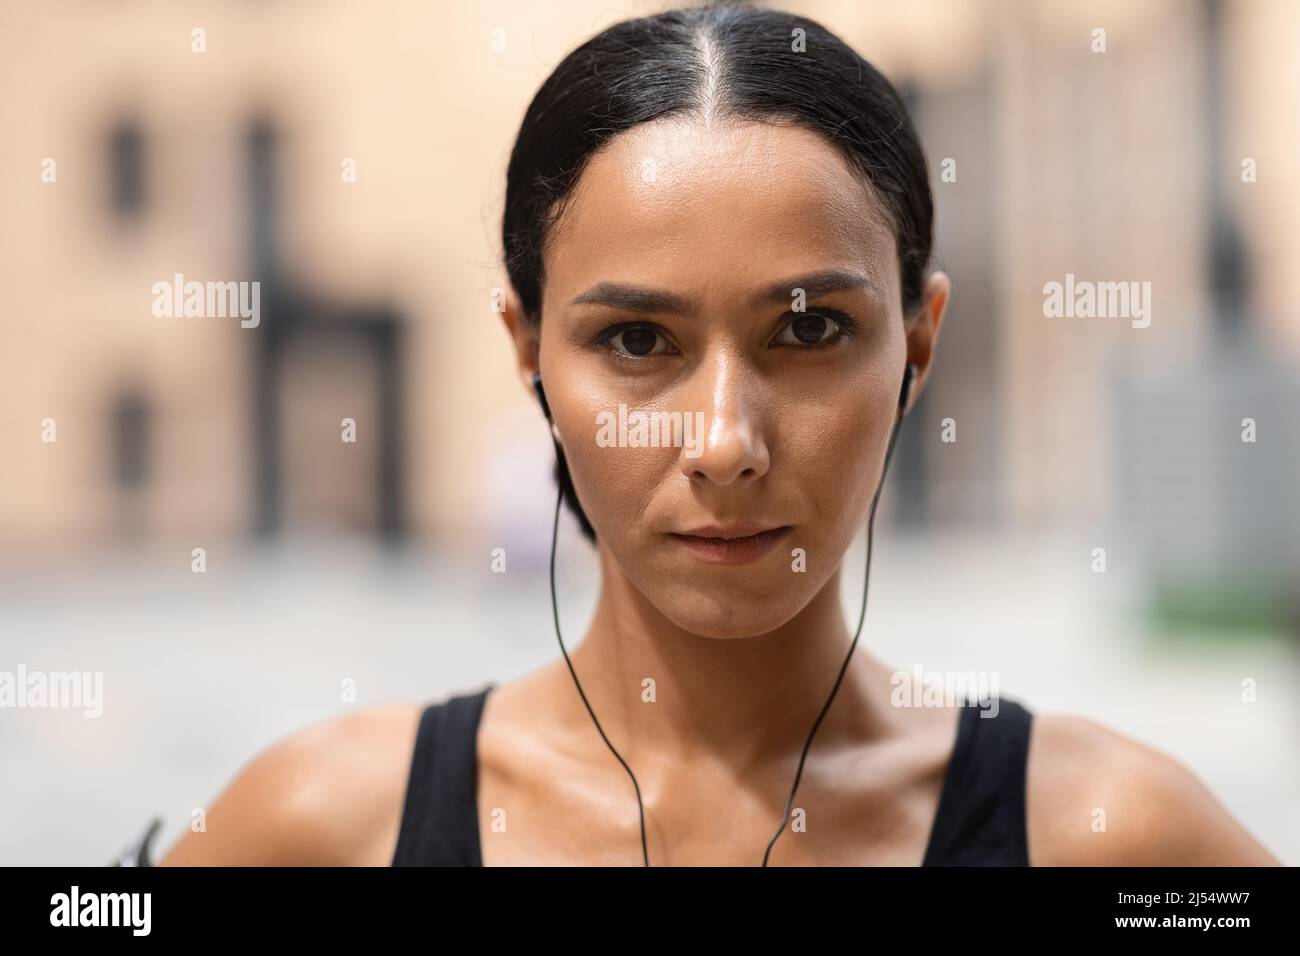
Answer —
350 157
353 162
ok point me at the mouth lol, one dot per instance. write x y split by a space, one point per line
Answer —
738 544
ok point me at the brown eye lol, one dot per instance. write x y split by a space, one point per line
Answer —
638 341
809 329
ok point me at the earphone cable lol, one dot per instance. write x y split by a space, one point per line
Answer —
555 612
871 520
862 616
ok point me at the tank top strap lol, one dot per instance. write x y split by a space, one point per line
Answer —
440 815
981 817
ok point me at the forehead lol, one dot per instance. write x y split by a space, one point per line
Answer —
720 208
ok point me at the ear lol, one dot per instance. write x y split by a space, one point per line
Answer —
922 329
523 335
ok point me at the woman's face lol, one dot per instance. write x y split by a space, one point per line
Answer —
672 285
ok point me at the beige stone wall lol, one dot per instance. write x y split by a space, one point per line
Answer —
1097 163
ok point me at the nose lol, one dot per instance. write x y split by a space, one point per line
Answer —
732 447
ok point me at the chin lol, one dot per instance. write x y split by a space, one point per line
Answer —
729 615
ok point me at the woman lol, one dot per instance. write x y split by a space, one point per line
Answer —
723 215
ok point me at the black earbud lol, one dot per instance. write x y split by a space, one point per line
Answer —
541 394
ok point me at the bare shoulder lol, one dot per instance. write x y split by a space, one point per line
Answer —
1096 797
330 794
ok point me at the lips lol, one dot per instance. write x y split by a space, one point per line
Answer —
741 530
731 544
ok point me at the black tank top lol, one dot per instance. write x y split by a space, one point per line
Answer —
980 820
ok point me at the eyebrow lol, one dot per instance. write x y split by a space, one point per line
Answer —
632 298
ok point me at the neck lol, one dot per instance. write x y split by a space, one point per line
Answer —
743 701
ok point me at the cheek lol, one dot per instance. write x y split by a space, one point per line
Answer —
835 449
615 484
